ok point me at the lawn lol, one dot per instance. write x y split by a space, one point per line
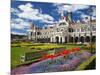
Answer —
17 50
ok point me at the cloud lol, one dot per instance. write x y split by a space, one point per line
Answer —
69 7
86 18
14 11
19 24
93 13
26 7
49 22
78 7
29 12
18 33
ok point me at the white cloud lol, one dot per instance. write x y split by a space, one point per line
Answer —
27 7
78 7
13 10
18 33
29 12
83 17
94 12
16 26
69 7
75 8
19 24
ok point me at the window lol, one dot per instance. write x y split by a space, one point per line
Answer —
38 33
70 30
63 23
94 28
57 30
61 29
31 33
82 29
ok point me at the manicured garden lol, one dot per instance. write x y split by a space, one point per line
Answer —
67 60
19 49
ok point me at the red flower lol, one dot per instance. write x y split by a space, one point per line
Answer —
65 52
58 54
48 56
78 49
51 56
75 49
45 56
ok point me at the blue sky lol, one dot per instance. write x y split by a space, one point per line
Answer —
24 13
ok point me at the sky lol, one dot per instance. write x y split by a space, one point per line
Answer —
41 14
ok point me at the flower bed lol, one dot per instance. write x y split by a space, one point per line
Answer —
62 53
57 62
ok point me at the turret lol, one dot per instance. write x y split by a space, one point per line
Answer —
31 32
69 17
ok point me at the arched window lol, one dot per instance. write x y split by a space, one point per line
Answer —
57 39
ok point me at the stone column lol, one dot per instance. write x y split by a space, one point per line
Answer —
63 39
54 40
29 35
51 39
74 38
59 39
79 38
85 37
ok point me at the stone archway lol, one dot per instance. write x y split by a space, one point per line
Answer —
57 39
87 39
66 39
71 39
76 39
93 39
82 39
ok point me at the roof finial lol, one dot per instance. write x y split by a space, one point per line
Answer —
62 14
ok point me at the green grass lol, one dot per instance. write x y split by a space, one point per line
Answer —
16 52
85 64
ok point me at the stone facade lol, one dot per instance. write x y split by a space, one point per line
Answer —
64 31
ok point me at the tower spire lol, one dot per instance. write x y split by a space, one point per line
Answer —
62 14
70 16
